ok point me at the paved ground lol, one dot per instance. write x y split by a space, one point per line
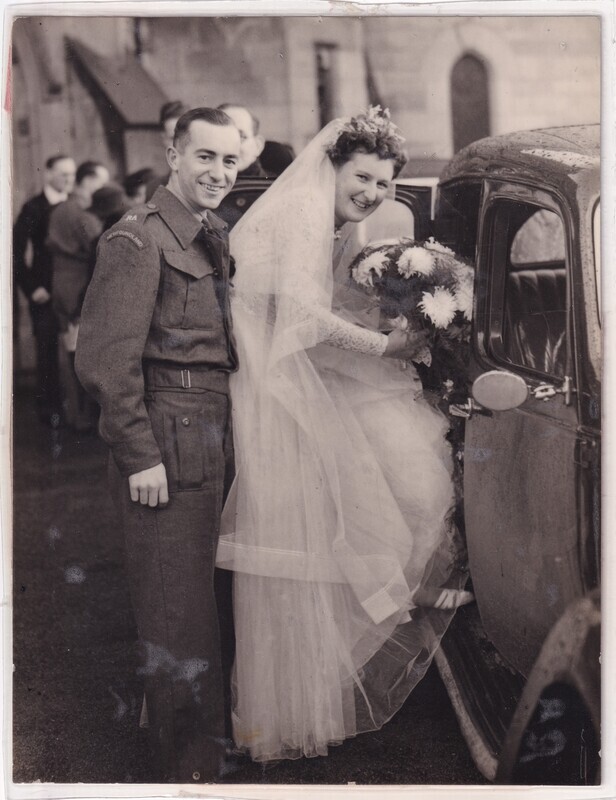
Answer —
76 694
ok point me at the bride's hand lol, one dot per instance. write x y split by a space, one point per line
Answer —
405 344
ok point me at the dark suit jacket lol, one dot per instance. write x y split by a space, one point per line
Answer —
31 226
234 206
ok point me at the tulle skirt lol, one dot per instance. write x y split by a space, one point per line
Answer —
337 516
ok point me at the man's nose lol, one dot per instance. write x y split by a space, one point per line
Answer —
216 170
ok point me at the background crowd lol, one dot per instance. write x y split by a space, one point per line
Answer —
55 237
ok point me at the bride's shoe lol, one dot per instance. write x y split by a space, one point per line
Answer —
444 599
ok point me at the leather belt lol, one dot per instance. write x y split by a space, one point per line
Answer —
170 377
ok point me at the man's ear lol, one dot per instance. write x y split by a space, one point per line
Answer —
259 144
172 158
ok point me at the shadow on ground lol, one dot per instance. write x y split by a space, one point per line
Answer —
76 694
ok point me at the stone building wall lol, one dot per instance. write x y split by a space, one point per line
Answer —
541 72
209 61
265 63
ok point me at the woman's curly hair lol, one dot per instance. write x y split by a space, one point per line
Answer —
371 132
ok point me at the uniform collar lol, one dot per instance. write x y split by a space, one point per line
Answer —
201 217
183 222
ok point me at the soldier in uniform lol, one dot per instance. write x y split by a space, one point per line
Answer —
156 350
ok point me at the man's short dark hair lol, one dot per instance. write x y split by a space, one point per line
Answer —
86 170
53 160
172 110
255 122
212 115
135 180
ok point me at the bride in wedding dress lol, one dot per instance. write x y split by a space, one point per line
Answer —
339 523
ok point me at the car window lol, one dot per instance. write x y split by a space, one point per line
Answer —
528 328
539 239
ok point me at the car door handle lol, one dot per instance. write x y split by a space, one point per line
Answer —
466 410
546 390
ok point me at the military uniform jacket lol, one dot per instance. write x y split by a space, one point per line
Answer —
159 294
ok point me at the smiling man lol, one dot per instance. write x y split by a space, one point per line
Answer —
156 350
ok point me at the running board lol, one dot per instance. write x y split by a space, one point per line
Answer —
484 691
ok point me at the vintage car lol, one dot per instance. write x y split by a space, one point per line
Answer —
522 664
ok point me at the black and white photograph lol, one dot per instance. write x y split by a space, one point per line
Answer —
303 342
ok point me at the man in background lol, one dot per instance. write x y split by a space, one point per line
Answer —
252 143
136 185
169 114
73 229
34 278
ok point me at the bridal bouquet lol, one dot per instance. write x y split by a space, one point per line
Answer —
424 285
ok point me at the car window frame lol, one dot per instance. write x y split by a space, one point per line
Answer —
489 325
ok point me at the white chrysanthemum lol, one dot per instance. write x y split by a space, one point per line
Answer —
439 307
464 299
415 260
432 244
364 272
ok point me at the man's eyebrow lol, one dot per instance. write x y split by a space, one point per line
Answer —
214 153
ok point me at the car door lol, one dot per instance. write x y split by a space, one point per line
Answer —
521 465
418 200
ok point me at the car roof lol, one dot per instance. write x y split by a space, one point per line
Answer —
553 154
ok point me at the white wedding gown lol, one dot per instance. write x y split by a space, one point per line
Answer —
340 510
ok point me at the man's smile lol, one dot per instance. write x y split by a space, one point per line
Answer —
211 187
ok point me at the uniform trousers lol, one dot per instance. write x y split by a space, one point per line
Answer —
170 557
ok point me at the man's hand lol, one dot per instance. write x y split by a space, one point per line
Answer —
149 487
405 344
40 295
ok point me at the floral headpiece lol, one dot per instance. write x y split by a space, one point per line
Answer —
375 121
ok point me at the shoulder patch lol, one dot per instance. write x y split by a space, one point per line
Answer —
139 214
126 235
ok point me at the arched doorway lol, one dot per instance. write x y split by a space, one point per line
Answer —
470 101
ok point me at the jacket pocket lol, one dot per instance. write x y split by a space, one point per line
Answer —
198 459
188 292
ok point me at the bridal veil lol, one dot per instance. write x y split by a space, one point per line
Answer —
341 507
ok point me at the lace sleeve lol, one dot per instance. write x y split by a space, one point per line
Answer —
340 333
329 328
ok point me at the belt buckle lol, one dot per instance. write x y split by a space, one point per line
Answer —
185 374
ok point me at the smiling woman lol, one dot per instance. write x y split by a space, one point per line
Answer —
367 156
361 185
